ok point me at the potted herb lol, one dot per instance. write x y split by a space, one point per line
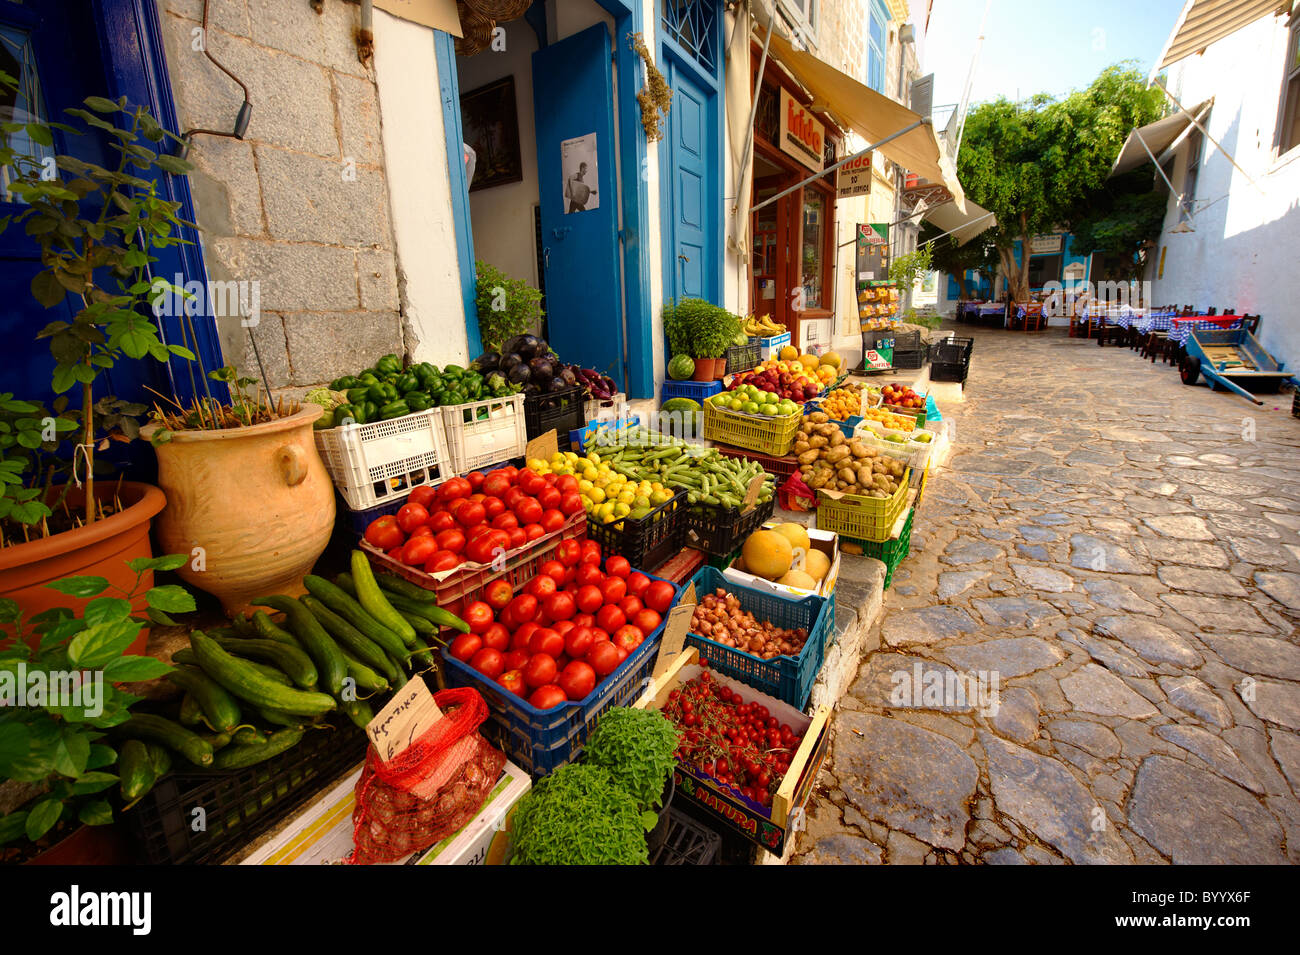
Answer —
60 694
95 229
704 332
506 307
637 747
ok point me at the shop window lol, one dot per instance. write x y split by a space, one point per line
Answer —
693 24
22 105
877 45
1195 146
802 15
767 121
811 258
1044 269
1288 133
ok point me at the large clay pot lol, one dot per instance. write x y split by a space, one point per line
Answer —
257 500
100 549
704 369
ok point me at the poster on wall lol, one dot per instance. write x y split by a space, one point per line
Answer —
578 163
492 131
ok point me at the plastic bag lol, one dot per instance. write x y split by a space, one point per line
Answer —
795 495
429 790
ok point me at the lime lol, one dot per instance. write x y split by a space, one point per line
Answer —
768 409
750 407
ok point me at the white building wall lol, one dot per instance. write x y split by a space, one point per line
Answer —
1244 250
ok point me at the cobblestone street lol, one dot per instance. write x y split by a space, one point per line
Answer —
1122 553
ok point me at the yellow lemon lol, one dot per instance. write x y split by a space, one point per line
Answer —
597 495
621 509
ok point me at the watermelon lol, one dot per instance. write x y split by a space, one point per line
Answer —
681 367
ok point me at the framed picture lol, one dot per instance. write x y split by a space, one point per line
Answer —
492 131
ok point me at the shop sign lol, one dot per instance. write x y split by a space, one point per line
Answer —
874 359
802 134
854 178
1042 244
871 234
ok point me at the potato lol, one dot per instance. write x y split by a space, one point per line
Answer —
808 457
837 438
864 475
848 474
826 430
806 427
805 469
857 449
818 479
837 454
817 442
818 417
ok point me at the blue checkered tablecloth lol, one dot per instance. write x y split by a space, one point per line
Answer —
1022 310
1180 331
1155 322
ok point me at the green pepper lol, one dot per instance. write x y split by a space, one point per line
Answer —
381 393
425 372
344 384
357 394
453 371
407 382
417 401
343 412
369 411
457 397
394 409
388 365
324 421
367 378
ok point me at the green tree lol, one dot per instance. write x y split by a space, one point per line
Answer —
1038 163
1123 220
980 254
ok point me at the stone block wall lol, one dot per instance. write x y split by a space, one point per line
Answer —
301 204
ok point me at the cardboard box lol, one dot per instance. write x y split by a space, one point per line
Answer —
768 347
828 542
322 833
765 827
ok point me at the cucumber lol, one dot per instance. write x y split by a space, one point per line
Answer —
267 629
428 612
161 758
359 712
217 741
219 707
404 588
244 626
373 600
135 769
158 729
290 660
276 718
351 640
248 684
248 736
351 611
186 655
191 713
322 649
238 757
366 678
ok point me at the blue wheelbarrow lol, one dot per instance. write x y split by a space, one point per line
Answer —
1234 360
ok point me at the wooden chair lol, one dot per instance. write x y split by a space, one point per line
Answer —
1251 323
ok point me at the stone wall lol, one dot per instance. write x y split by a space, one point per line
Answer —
301 205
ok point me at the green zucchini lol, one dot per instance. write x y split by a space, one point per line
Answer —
219 707
373 600
350 639
268 629
135 769
191 713
238 757
346 607
365 677
322 649
248 684
290 660
158 729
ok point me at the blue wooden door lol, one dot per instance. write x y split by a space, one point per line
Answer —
573 97
692 213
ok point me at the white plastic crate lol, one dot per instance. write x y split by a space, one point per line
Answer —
607 409
378 462
480 433
768 347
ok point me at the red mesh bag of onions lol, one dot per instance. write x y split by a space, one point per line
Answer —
796 495
431 788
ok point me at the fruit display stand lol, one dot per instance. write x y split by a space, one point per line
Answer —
646 542
542 741
781 468
915 452
482 433
381 462
767 435
766 827
788 679
858 517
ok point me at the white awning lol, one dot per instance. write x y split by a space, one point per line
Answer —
1203 22
1158 137
963 226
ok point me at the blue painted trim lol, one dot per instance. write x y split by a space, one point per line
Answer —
449 83
130 37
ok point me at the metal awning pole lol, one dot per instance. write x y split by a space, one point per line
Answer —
1138 134
924 121
753 109
1205 132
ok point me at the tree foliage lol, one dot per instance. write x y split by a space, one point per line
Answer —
979 254
1121 220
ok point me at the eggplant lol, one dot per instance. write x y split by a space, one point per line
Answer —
512 345
567 376
558 384
527 347
519 374
542 371
531 389
487 362
543 350
508 361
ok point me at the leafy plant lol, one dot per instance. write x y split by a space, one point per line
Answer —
700 329
245 408
637 747
910 266
506 306
578 815
96 228
56 741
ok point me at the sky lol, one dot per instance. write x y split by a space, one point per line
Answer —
1039 46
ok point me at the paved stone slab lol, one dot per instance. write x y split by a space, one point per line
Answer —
1008 658
1014 611
927 625
1284 588
1030 533
1194 817
1091 737
1213 750
1192 696
1200 581
1043 578
1016 718
1259 656
1118 596
1094 553
902 681
1151 641
842 849
954 582
965 550
1096 690
1286 750
1192 553
1186 527
1275 702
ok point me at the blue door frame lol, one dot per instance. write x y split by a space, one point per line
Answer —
635 201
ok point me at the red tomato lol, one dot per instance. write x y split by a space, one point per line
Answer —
578 642
659 596
547 641
506 520
630 606
513 497
584 620
589 574
486 547
529 481
518 538
622 654
553 569
424 495
440 561
455 488
589 599
418 550
523 608
570 573
590 551
440 521
528 510
396 552
519 639
562 627
613 590
475 479
541 586
547 697
560 606
610 618
479 616
600 633
470 513
510 471
578 680
489 662
603 658
550 477
477 531
539 670
497 637
637 582
618 566
513 680
549 497
568 552
410 516
534 531
516 660
647 620
493 507
477 498
452 540
567 484
628 637
385 533
553 520
465 646
424 530
571 504
496 484
498 594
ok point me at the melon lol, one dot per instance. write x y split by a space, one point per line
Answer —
816 565
681 367
833 359
767 554
797 578
796 534
810 361
789 353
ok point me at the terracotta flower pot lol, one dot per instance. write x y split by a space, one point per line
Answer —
704 369
87 845
257 500
100 549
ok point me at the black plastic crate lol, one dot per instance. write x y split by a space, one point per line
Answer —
688 842
646 543
744 357
561 411
950 359
908 360
719 530
238 805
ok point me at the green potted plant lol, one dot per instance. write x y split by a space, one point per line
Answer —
704 332
95 228
60 695
506 307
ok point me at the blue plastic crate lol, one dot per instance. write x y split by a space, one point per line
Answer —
542 741
789 679
698 390
846 426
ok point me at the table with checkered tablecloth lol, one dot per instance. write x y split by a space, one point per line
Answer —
1182 329
1155 322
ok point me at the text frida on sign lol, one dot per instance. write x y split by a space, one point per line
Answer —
802 134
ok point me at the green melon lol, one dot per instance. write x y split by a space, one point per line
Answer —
681 367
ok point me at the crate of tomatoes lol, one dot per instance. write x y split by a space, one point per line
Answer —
456 538
553 655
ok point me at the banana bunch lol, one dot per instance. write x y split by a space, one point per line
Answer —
762 327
